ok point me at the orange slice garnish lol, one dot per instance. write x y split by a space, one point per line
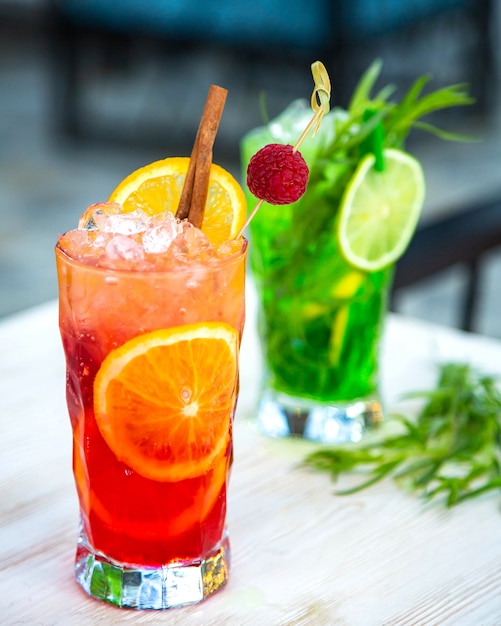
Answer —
157 187
163 401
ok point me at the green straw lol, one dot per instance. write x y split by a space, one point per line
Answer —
374 141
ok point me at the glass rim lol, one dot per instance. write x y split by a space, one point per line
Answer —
214 264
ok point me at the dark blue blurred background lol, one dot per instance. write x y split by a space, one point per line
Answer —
92 89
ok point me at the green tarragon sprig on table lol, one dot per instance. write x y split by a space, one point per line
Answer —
452 449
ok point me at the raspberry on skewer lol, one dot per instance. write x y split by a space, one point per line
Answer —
278 173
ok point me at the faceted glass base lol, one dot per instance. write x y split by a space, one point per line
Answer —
142 587
280 415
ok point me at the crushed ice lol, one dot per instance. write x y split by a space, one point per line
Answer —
160 233
108 237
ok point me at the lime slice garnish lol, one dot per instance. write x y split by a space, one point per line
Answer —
380 210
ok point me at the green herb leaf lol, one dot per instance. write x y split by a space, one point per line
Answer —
452 449
398 118
362 91
444 134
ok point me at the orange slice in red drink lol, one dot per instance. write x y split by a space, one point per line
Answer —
204 496
157 187
163 401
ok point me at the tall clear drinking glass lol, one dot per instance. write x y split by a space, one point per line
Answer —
152 443
320 319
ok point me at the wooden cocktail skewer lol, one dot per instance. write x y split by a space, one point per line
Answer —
320 103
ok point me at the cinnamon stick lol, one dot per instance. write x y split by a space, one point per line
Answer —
196 183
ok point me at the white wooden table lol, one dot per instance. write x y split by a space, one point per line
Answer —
301 555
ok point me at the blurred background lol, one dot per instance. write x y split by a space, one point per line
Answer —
92 89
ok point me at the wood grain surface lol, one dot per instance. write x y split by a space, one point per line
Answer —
300 554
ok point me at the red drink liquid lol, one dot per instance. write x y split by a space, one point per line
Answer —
133 524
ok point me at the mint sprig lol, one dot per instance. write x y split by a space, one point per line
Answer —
398 118
452 449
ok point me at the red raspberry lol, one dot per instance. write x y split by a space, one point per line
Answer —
277 174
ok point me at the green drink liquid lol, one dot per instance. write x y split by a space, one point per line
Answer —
320 319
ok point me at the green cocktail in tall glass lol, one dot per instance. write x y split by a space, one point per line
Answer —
323 265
